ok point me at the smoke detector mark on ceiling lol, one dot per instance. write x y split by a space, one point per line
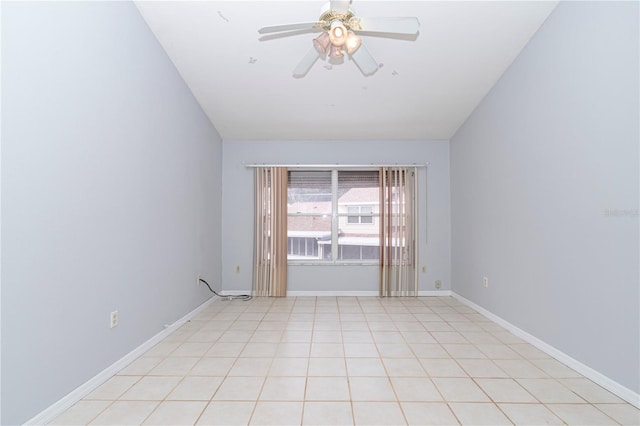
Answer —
252 60
224 18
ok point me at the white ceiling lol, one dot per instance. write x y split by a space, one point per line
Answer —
425 88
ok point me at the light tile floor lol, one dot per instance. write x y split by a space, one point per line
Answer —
347 360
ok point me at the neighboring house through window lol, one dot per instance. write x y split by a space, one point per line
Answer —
333 216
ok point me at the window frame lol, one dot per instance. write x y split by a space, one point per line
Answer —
335 220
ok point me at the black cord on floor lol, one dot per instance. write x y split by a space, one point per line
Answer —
235 297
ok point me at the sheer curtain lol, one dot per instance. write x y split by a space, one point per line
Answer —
270 251
398 231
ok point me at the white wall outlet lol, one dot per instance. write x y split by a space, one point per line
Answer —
485 282
114 319
438 284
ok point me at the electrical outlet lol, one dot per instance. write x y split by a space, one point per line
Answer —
485 282
198 282
424 269
114 319
238 269
438 284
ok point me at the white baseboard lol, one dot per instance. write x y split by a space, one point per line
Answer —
347 293
236 292
308 293
611 385
86 388
361 293
436 293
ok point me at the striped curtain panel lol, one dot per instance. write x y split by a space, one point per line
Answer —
270 241
398 231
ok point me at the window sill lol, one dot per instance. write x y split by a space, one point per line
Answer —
342 263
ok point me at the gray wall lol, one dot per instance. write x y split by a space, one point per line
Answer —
111 195
238 213
537 174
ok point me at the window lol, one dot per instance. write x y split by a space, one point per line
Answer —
333 216
301 247
360 214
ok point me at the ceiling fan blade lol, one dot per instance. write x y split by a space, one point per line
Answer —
306 63
364 61
340 6
399 25
289 27
284 34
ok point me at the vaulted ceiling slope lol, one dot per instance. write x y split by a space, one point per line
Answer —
424 89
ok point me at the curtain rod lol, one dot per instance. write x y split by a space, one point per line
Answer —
332 166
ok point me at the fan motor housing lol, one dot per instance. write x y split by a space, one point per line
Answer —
331 15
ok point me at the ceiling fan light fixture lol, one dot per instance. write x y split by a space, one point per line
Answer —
336 52
321 43
353 42
338 33
338 27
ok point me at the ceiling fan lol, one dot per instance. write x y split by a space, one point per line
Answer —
339 26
